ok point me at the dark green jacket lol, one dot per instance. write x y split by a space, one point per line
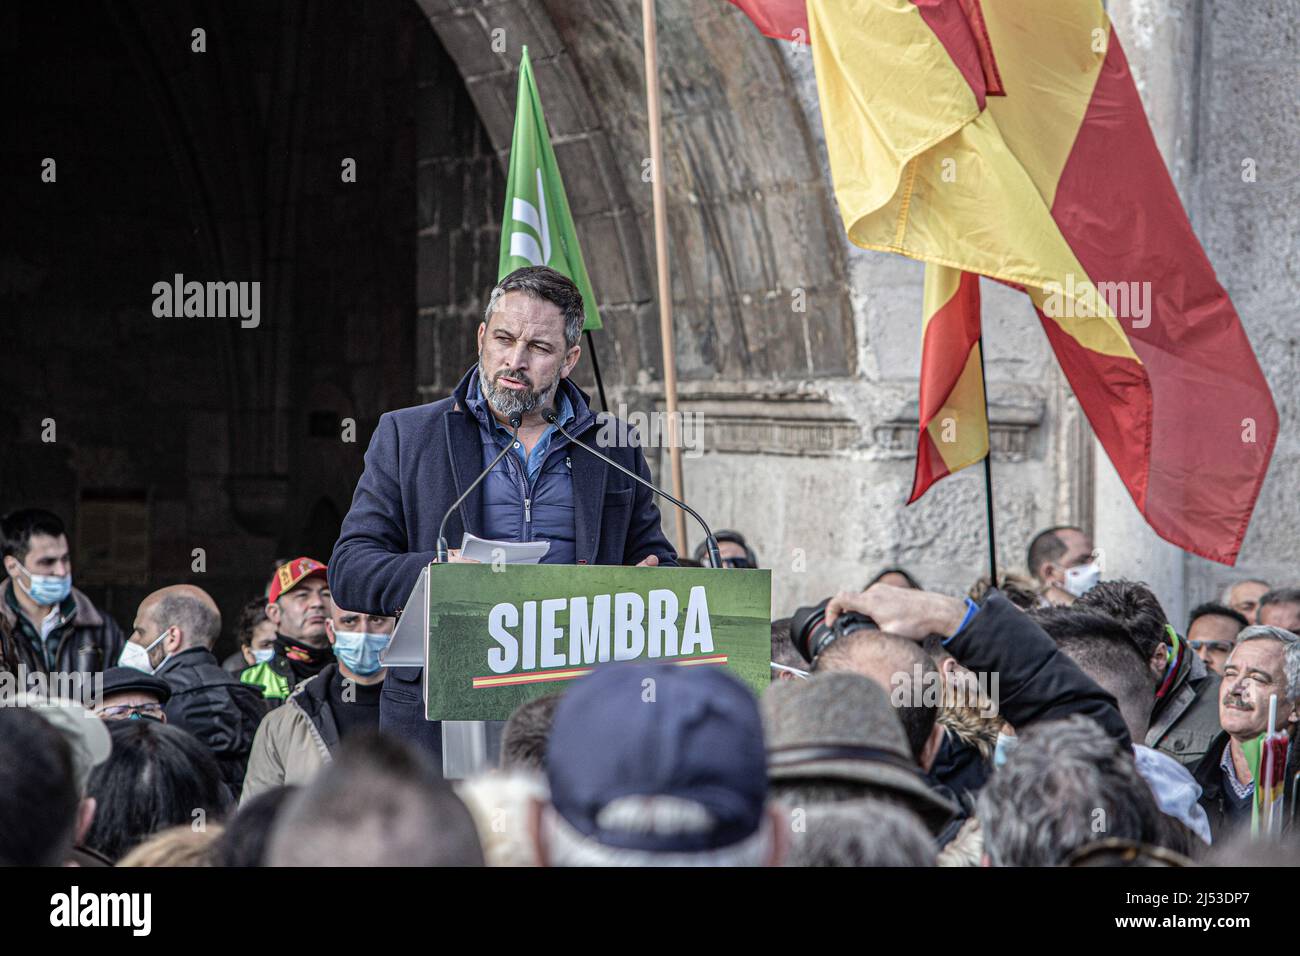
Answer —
1186 721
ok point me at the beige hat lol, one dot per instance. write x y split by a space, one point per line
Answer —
85 733
841 726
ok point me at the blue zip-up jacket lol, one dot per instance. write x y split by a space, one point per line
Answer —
532 500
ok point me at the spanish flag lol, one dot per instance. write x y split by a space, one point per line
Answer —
954 427
1266 755
1006 138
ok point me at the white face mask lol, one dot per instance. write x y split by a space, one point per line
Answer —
1079 581
133 655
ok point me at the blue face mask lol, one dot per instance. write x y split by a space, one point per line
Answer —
264 655
359 652
47 589
1002 749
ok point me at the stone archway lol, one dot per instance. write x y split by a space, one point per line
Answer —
748 224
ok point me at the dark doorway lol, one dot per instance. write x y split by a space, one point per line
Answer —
200 447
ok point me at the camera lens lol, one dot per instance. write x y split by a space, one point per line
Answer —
811 634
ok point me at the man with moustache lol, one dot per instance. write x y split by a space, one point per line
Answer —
1265 662
421 459
299 605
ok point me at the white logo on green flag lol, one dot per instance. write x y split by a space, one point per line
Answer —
537 227
522 244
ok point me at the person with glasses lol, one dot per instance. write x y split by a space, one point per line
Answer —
130 694
732 548
1212 631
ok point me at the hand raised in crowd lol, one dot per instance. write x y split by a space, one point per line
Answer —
906 612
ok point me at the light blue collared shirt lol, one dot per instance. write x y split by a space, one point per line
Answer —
532 462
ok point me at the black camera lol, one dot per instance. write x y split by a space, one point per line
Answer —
811 634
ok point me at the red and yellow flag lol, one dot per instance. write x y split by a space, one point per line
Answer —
1266 755
954 429
1007 139
778 19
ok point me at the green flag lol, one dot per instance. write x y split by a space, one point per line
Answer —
537 227
1252 751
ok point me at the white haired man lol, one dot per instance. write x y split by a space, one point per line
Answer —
1265 662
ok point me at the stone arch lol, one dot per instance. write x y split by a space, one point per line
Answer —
748 224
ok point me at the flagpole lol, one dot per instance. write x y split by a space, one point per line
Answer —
661 258
988 472
595 366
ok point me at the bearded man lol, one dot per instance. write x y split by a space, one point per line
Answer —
421 459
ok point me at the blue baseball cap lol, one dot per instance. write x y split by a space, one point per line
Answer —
692 732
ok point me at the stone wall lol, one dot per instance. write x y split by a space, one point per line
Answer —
1221 83
799 350
180 433
810 416
1245 80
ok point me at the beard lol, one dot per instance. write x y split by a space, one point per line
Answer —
511 401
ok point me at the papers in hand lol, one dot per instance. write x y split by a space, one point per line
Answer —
507 552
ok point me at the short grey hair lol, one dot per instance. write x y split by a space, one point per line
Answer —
200 624
567 846
543 282
860 833
1233 585
1067 784
1290 652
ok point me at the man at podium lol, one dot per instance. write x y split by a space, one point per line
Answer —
421 459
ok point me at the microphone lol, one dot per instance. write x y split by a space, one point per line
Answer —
552 417
516 419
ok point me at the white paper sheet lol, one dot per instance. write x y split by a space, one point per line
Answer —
510 552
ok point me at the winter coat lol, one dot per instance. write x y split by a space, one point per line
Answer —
1209 775
294 741
1186 720
86 627
419 462
1036 682
215 707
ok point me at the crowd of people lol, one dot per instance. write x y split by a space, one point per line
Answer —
1057 718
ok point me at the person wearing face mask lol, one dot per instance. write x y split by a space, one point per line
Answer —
46 625
1063 562
299 605
172 638
296 740
131 694
256 636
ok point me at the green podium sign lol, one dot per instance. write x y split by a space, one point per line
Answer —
498 637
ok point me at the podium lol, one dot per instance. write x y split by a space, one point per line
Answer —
491 637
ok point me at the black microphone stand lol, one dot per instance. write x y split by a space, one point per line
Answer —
715 558
515 421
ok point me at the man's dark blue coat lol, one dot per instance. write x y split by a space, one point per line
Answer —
419 461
